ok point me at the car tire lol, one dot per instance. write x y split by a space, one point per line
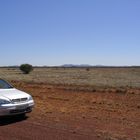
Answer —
22 115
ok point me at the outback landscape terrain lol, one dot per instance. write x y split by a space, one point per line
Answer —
76 104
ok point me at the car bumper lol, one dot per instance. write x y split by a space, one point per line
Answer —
15 109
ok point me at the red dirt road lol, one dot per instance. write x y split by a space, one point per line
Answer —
28 130
64 114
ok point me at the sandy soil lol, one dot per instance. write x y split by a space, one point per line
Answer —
64 114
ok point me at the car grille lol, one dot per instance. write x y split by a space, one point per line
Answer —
19 100
26 110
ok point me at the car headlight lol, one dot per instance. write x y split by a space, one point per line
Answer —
30 98
2 102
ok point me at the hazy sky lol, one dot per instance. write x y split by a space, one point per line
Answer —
55 32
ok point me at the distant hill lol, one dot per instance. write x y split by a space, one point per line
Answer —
95 66
75 66
72 65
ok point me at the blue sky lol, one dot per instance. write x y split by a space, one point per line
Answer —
56 32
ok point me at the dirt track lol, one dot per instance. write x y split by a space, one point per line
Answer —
62 114
29 130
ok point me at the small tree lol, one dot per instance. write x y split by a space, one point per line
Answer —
26 68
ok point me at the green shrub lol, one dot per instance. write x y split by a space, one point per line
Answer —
26 68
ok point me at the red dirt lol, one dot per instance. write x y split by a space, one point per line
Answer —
62 114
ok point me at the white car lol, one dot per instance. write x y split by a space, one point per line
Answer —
13 101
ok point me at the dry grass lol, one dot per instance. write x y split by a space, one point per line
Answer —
97 77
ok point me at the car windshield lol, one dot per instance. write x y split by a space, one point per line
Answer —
4 85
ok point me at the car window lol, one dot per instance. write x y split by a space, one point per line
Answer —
4 85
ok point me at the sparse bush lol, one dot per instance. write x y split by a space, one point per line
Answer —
26 68
121 90
87 69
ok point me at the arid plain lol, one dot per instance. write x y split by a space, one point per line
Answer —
77 104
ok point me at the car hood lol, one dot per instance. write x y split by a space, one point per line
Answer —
13 93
